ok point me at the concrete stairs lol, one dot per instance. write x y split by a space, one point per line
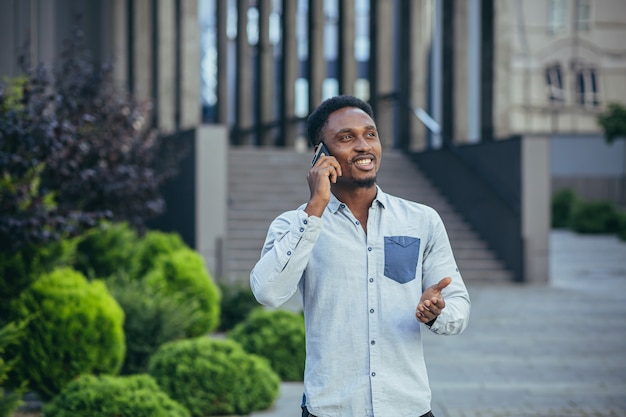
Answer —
265 182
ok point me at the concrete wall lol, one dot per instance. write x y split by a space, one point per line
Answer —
535 172
594 169
211 161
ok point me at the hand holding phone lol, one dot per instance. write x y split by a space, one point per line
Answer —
321 149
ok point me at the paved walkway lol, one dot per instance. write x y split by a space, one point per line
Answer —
553 350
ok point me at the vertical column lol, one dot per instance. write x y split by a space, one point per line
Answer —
384 116
44 32
504 76
448 70
289 72
474 70
421 36
266 85
460 71
119 41
222 62
142 79
346 58
166 71
487 74
402 77
316 59
190 112
243 83
436 72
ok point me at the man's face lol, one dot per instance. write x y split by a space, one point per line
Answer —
352 138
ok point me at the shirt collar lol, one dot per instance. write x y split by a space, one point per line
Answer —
381 199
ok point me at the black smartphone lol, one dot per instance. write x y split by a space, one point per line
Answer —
321 149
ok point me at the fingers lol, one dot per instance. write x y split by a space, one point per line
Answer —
320 177
327 166
431 308
426 313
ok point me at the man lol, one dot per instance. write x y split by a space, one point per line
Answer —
370 267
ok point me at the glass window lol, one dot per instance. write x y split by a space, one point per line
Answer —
557 16
587 93
583 15
554 83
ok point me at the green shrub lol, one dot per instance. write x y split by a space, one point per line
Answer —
152 318
214 377
106 249
19 269
76 328
563 203
151 246
10 334
277 335
109 396
237 303
183 275
595 217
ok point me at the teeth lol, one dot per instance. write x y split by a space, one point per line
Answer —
363 161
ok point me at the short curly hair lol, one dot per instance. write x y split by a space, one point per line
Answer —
319 117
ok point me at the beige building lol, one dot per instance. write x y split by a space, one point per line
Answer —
558 63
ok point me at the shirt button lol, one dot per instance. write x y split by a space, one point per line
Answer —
371 310
342 205
305 221
371 279
301 229
289 252
373 373
369 249
373 342
357 223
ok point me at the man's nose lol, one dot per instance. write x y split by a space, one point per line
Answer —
363 143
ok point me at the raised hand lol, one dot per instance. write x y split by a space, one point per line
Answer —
432 302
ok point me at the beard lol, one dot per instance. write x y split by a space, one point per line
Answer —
366 183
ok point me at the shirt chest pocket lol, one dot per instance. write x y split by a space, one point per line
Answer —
401 256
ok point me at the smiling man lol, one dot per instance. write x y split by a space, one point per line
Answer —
374 270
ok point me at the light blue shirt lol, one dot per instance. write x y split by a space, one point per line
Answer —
360 291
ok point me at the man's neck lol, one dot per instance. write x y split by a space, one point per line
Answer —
358 199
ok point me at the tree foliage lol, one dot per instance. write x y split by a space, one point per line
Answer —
613 122
76 149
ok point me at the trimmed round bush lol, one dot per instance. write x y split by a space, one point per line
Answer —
108 396
214 377
19 269
595 217
183 275
277 335
106 250
151 246
563 204
75 327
